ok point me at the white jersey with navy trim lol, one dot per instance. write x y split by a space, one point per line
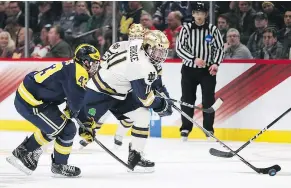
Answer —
125 65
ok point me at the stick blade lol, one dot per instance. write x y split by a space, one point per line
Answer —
266 170
217 104
219 153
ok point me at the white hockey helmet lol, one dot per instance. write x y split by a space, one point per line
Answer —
156 44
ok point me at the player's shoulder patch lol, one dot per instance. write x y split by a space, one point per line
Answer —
150 73
151 77
115 45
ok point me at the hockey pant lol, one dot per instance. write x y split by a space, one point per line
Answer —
52 125
124 123
98 104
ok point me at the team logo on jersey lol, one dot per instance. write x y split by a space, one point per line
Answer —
208 38
115 46
151 77
92 111
133 53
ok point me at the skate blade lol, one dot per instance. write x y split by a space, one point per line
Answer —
116 147
63 176
139 169
184 139
18 164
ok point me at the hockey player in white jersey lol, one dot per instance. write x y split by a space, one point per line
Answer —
123 82
136 31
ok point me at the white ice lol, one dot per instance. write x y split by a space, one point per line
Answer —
178 164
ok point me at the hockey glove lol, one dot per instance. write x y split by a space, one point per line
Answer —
166 109
89 133
162 90
69 114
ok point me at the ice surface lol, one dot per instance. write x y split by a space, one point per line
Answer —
178 164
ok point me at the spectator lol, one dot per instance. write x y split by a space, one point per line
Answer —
81 18
15 9
46 15
284 35
223 26
59 48
163 10
246 14
12 27
133 16
20 43
8 10
255 43
7 45
233 15
40 50
174 26
146 21
234 49
99 18
67 17
274 16
272 48
3 16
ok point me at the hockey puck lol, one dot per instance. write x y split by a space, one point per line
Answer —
83 143
272 172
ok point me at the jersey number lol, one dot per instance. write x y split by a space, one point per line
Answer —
116 58
82 81
47 72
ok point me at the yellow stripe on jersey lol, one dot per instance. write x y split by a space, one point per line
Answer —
149 100
102 85
82 75
62 149
27 96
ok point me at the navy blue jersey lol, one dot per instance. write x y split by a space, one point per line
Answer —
55 84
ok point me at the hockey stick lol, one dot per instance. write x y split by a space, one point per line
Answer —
224 154
102 146
273 168
212 109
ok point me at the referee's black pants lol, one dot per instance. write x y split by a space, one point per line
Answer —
191 78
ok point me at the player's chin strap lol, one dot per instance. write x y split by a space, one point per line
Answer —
102 146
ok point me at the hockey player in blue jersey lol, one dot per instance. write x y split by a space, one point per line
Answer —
37 100
124 82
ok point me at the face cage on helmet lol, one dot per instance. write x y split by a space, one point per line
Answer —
135 37
91 66
157 55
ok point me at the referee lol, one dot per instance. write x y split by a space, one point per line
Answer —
200 46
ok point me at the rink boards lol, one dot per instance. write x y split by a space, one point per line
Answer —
255 92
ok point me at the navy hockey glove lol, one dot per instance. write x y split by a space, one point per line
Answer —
166 109
70 114
162 90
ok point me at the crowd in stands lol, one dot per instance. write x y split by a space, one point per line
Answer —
250 29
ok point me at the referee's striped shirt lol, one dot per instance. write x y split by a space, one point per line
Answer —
204 42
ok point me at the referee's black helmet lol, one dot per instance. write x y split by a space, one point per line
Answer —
200 6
